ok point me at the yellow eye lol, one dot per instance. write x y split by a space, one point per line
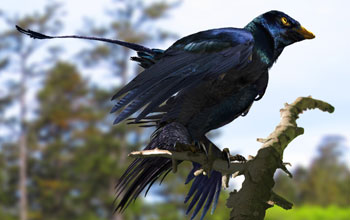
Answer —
285 21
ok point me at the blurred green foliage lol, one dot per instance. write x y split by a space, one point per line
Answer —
319 191
324 182
309 213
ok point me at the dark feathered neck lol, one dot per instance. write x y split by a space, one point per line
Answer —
264 45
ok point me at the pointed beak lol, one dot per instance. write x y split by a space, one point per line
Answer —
305 33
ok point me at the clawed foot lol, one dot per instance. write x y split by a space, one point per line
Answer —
201 147
238 158
212 153
228 157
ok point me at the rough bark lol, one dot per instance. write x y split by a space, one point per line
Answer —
256 193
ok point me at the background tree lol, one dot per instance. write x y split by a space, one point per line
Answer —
16 51
68 179
61 110
326 181
72 171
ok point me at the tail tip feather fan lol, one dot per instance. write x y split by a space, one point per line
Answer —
203 190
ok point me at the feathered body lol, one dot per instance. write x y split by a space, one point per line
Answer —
200 83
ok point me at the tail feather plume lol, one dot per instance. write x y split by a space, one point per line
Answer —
133 46
143 172
203 190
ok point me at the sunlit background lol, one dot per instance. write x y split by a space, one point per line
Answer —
54 102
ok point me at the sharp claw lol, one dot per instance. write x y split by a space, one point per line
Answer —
226 155
205 150
235 174
225 181
207 168
201 146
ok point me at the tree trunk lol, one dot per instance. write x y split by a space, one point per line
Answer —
23 147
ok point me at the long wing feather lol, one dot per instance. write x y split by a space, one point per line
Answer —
189 62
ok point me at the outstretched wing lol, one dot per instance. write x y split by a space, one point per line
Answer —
186 63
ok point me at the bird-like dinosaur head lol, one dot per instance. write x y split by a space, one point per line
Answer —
282 28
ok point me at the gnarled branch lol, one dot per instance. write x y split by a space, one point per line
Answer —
256 194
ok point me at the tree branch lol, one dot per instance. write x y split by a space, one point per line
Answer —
256 194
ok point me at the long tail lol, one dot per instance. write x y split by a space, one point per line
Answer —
146 57
37 35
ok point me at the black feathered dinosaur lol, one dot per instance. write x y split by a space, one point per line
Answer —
202 82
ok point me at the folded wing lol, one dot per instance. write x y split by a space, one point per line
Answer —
185 64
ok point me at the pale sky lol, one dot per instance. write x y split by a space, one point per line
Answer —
317 67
